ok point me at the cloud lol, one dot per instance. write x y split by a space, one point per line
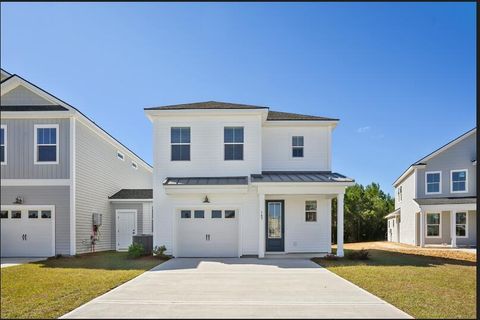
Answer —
363 129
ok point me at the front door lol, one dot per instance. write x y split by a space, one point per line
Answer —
126 228
275 225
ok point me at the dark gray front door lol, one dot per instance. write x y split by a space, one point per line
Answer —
275 225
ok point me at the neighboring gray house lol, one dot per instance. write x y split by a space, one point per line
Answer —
62 178
435 198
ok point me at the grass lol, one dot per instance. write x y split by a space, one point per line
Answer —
422 286
51 288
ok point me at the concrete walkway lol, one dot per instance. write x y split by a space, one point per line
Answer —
10 262
237 288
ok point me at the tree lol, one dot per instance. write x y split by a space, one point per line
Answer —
364 212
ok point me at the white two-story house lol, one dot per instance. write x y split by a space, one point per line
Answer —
232 180
435 198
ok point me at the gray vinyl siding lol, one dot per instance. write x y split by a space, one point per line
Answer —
21 96
459 156
100 174
20 151
59 196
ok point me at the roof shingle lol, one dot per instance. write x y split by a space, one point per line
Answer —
133 194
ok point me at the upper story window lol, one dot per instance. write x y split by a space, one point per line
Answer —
297 146
400 193
180 140
3 144
46 143
233 139
134 165
459 181
120 156
433 182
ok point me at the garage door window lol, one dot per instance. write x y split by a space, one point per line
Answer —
229 214
216 214
46 214
16 214
186 214
32 214
199 214
4 214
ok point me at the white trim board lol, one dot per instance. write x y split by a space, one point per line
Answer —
36 145
5 143
35 182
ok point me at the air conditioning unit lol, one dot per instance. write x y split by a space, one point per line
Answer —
97 219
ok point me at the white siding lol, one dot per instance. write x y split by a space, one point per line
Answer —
147 218
277 148
99 174
408 209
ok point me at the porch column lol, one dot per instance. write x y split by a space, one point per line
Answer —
453 229
422 229
340 225
261 225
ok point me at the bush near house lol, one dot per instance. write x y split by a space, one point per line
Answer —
136 250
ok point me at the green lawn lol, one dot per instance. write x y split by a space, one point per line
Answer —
422 286
51 288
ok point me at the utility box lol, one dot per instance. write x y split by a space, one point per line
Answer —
146 240
97 219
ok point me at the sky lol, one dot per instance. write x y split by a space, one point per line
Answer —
400 76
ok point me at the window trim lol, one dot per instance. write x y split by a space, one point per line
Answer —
181 143
134 165
57 145
234 143
440 182
316 211
466 224
439 225
5 143
292 147
466 180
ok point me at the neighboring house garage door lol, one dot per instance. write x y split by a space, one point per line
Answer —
207 233
27 231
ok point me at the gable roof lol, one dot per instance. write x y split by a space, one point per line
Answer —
15 80
272 115
422 161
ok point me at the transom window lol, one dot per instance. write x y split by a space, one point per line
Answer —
33 214
216 214
199 214
3 144
46 143
461 224
233 140
229 214
433 181
185 214
16 214
433 224
459 181
4 214
297 146
180 141
311 211
46 214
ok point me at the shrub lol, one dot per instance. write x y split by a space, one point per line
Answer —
159 251
136 250
358 255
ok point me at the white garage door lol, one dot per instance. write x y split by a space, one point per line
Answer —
207 233
27 231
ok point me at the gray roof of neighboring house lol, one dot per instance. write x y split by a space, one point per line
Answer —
208 181
446 200
33 108
133 194
300 176
272 115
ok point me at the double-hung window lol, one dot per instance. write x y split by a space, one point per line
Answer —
433 182
297 147
433 225
180 140
311 210
233 140
458 181
461 224
46 143
3 144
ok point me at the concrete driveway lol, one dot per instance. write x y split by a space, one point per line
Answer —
237 288
10 262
